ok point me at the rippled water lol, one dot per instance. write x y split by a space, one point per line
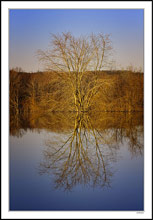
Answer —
77 162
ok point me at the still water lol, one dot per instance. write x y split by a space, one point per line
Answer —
77 162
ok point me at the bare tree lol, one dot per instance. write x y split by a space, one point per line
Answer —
78 61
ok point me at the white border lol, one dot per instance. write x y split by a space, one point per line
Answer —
146 5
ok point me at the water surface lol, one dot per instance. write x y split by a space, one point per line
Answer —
72 161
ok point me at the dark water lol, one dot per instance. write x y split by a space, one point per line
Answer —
73 161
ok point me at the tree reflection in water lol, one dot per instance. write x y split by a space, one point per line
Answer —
86 146
86 154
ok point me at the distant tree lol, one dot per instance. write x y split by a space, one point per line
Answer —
14 86
17 69
77 61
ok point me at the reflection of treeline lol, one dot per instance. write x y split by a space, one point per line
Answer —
122 91
112 126
64 122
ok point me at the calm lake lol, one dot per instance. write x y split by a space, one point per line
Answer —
72 161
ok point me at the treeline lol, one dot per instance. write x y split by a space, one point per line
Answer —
124 93
47 91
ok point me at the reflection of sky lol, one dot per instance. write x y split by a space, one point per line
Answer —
30 191
30 29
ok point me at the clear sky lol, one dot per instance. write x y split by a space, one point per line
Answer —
29 30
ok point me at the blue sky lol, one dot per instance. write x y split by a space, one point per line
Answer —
29 30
